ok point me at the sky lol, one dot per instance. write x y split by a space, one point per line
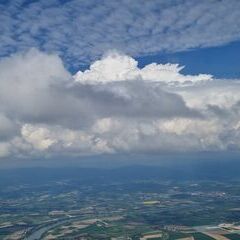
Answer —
105 79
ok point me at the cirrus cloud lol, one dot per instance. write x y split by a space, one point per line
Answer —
81 31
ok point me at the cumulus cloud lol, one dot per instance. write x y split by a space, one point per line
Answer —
113 107
28 84
116 67
82 30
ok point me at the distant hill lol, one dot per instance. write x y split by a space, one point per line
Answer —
202 170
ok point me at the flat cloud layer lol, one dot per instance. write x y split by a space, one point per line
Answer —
113 107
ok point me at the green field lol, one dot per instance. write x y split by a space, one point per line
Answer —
201 236
177 235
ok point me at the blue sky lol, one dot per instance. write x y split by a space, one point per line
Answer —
221 61
119 78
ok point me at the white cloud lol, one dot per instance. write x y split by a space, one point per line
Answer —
27 83
118 67
222 93
58 140
47 112
39 137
